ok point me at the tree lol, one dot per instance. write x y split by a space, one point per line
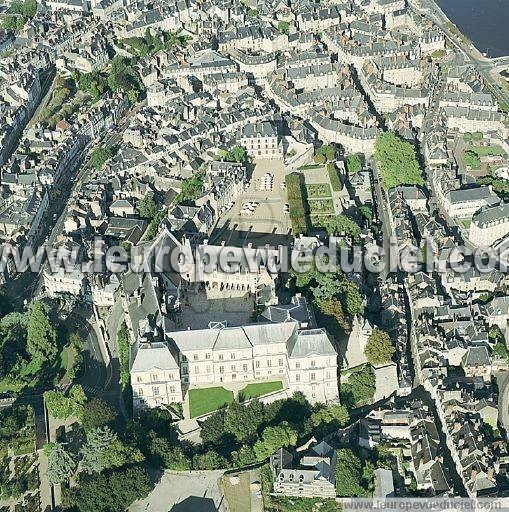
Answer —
63 407
244 456
379 348
367 212
192 188
341 225
283 27
243 421
97 413
104 450
166 455
327 152
13 23
148 207
212 429
348 474
238 154
100 156
109 491
352 298
61 464
209 460
360 388
353 164
41 335
333 307
274 438
336 414
398 161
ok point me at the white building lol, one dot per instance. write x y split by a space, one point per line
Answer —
489 225
155 376
261 140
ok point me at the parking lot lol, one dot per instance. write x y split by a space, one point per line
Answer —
258 216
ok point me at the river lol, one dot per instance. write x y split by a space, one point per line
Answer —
485 22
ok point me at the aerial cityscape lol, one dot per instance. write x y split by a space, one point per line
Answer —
254 255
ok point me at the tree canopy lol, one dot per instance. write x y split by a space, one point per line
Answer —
398 161
100 156
109 491
62 406
97 413
348 474
379 348
41 335
273 438
360 388
353 164
61 464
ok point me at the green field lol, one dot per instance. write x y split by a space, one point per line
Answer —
260 389
202 401
487 150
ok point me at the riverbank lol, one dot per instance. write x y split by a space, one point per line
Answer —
484 23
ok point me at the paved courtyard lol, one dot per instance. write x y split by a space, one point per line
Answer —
268 224
199 491
216 305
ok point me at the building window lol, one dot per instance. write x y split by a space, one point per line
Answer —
195 357
244 367
269 363
207 356
312 364
170 376
138 379
140 392
232 356
172 389
297 377
196 369
221 369
280 362
233 367
297 365
221 357
313 377
155 390
154 376
257 364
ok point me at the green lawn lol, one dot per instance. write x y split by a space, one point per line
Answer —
202 401
492 150
260 389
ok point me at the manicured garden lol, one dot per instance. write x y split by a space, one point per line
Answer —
203 401
260 388
19 475
321 206
318 190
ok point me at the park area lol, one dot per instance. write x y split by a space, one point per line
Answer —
19 474
310 195
205 400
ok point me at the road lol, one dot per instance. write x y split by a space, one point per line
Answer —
111 140
503 401
383 217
